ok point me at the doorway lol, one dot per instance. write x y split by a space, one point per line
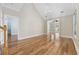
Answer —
53 29
12 31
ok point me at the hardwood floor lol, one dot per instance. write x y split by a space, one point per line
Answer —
41 46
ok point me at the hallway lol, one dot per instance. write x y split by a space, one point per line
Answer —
27 29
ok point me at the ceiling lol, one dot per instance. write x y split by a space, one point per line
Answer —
13 6
51 10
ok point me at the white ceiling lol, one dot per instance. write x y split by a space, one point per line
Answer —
13 6
51 10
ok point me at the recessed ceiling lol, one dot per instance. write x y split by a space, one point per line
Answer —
53 10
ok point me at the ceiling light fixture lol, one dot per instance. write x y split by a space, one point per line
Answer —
61 11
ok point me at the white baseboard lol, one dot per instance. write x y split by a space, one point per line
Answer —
76 46
73 38
67 36
25 37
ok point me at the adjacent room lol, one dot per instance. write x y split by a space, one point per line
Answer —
39 28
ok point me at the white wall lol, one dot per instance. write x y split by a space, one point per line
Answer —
66 24
31 23
66 27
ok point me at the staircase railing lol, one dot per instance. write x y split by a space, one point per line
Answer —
5 47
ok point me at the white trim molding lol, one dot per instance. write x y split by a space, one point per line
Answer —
67 36
74 38
25 37
75 43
